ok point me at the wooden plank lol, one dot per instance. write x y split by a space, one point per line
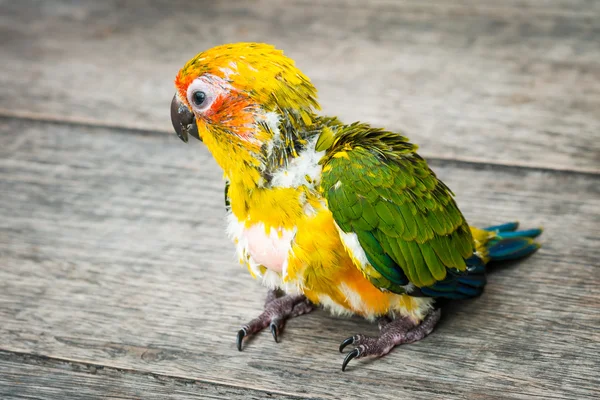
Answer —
25 376
514 82
113 252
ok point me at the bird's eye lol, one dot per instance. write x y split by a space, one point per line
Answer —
201 95
198 97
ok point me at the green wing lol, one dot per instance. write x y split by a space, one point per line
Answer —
405 219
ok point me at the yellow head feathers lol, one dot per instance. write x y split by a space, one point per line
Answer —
259 70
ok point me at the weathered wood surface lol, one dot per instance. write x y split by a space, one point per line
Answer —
112 253
29 377
117 281
514 82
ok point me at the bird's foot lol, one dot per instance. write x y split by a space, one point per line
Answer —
277 311
392 333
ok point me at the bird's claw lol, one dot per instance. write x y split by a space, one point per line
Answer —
392 333
240 336
353 354
346 342
274 330
277 311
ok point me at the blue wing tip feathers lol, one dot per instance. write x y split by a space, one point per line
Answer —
507 227
512 244
509 230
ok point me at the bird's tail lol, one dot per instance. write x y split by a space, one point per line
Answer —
495 243
504 242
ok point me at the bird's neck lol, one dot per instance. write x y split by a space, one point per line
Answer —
255 192
238 160
279 137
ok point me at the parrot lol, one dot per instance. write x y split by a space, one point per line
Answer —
345 217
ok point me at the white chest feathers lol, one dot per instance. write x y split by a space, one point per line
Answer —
257 247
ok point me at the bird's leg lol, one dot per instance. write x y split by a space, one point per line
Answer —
277 310
392 333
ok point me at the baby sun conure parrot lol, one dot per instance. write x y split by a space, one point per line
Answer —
349 217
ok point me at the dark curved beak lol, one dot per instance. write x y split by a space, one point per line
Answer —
183 120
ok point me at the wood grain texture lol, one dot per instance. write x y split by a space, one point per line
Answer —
24 376
515 82
113 253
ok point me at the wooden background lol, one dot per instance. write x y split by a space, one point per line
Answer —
117 280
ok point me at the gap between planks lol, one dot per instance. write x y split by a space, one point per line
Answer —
430 157
92 367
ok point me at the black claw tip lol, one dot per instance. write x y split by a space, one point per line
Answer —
273 328
345 343
353 354
240 335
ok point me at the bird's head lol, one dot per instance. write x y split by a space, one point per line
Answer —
241 100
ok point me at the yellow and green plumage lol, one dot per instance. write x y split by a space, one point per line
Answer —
348 215
405 219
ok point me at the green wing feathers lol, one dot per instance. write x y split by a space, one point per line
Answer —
405 219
